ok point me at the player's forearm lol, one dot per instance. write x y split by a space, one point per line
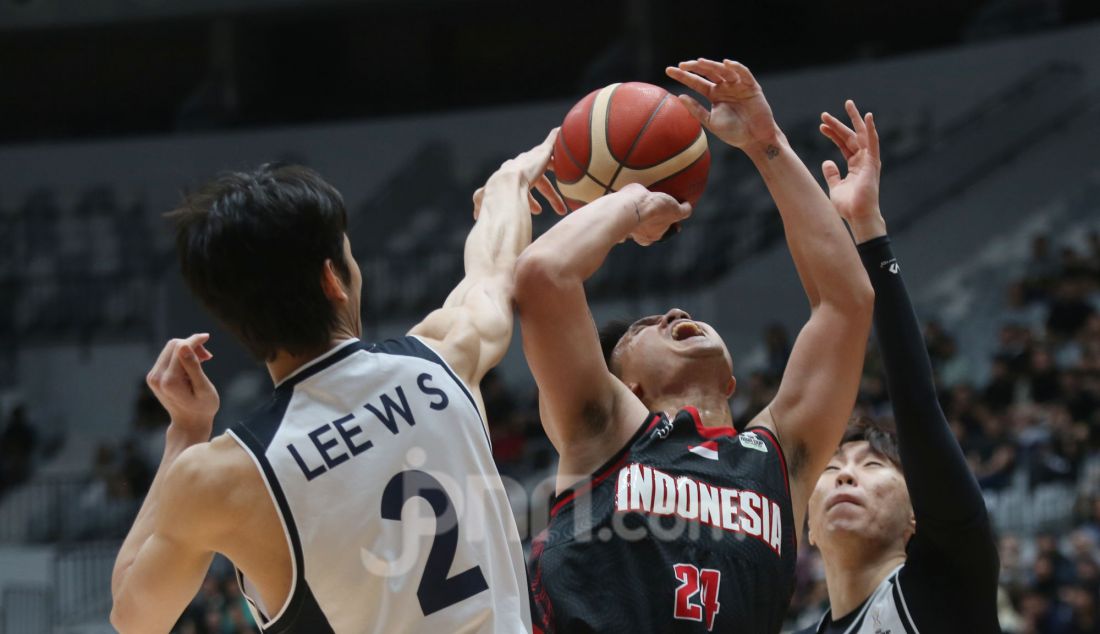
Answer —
503 227
176 441
575 248
931 458
822 250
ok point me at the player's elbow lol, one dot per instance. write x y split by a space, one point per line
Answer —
123 618
536 273
858 303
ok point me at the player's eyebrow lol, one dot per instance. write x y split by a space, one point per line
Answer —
642 323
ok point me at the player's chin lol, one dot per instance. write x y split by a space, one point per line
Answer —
698 347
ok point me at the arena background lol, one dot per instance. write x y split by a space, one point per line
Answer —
989 112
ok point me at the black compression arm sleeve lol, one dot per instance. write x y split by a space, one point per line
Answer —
946 498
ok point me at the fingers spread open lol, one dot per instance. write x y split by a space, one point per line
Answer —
841 134
701 114
710 69
740 70
551 195
691 80
837 140
858 126
872 135
538 157
831 173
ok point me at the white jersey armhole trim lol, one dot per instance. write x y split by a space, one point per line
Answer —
458 379
286 533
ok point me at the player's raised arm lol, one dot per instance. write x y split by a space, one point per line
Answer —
164 558
931 459
473 328
587 412
815 398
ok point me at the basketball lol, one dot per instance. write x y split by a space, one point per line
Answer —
630 133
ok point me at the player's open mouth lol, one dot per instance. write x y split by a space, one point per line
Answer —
686 329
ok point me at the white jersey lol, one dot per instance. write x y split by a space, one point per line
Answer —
885 612
380 468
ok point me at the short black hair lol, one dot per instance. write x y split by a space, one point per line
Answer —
881 436
252 247
611 333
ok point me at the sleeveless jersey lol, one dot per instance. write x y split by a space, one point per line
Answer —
686 529
884 611
380 468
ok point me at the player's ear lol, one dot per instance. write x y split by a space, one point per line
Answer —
731 386
636 388
332 284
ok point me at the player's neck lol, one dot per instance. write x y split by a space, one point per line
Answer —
714 409
851 580
284 364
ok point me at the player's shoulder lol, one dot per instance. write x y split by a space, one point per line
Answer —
204 484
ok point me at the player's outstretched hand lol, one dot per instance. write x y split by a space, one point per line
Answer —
531 167
739 114
855 196
183 388
655 211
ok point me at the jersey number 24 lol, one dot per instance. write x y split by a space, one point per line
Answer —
697 596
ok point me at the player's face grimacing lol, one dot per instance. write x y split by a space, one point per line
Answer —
660 352
860 495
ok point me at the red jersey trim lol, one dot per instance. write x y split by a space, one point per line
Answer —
709 433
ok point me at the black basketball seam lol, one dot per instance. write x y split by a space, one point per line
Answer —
573 160
637 137
693 140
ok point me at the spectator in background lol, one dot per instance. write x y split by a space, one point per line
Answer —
17 445
1014 348
150 419
952 368
997 457
1041 269
1044 382
1018 311
1073 265
1000 392
1070 309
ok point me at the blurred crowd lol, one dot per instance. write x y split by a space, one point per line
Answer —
1026 418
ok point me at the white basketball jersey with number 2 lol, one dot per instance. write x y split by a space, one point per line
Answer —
380 468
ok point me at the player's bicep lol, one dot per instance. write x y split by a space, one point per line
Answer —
579 397
159 584
815 398
473 328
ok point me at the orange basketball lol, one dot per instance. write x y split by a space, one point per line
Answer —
630 133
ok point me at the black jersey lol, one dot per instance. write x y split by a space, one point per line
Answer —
686 529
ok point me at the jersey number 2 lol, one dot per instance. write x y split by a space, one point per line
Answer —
695 581
436 590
